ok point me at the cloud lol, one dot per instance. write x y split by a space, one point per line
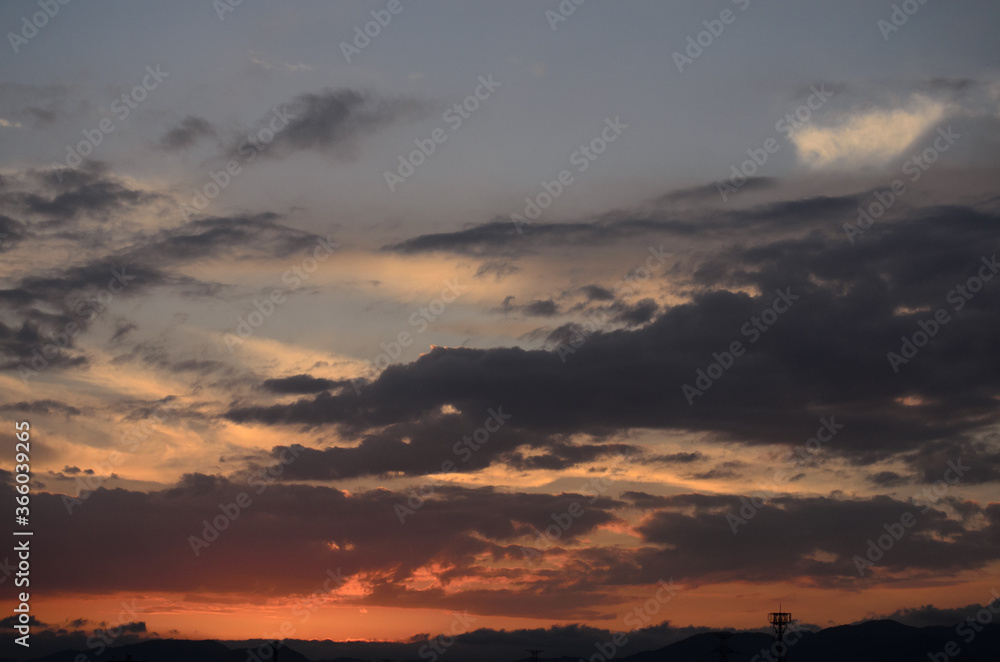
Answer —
866 138
679 458
710 192
439 443
74 635
478 549
359 534
888 479
187 133
503 238
11 232
34 106
302 384
541 308
66 193
597 293
47 407
778 540
931 616
241 237
52 308
331 121
848 316
635 314
979 459
50 305
122 330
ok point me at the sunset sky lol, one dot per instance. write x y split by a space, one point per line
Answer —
524 310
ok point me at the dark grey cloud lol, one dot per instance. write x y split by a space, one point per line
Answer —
500 269
158 355
35 106
710 192
597 293
826 356
779 539
11 232
359 534
889 479
332 121
979 459
951 84
931 616
66 193
537 308
240 236
186 133
302 384
635 314
69 637
122 329
51 306
502 238
684 457
47 407
452 529
541 308
446 443
9 623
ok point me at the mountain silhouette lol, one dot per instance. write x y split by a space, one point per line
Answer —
170 650
871 641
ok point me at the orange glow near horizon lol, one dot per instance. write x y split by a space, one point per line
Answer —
744 607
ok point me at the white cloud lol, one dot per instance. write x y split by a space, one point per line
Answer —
870 138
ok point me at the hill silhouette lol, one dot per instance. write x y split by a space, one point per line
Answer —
871 641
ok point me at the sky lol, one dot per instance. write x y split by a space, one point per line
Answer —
378 320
